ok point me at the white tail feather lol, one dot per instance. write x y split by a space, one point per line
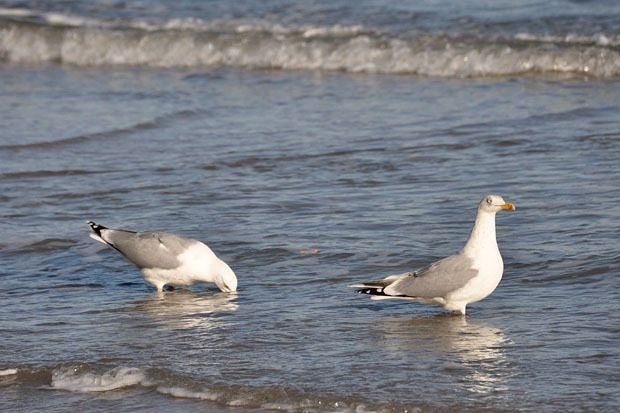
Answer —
362 286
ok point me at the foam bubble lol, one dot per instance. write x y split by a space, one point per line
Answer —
73 379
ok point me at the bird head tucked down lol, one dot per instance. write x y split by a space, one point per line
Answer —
226 280
494 203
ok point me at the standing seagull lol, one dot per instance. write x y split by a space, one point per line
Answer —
167 258
458 280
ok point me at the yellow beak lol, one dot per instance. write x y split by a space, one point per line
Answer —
509 206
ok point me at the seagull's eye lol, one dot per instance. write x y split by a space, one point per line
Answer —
489 201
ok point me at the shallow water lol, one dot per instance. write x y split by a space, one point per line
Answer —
305 182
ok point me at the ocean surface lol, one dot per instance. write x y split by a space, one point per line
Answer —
312 145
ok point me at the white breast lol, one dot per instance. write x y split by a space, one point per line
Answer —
490 268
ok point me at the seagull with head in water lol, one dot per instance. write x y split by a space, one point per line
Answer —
168 259
457 280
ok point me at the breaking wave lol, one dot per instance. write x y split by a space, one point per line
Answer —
73 379
90 378
30 37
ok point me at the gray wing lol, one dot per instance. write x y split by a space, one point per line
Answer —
437 280
148 249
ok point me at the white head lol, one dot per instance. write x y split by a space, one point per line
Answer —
494 203
225 279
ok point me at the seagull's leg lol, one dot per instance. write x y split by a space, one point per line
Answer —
457 308
455 313
160 290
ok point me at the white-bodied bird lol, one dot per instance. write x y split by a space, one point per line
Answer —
458 280
168 259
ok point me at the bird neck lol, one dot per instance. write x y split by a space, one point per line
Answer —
482 235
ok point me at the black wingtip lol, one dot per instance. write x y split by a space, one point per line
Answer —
96 227
371 291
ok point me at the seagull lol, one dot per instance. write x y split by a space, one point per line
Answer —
455 281
168 259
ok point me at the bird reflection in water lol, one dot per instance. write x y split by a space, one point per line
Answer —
477 348
183 309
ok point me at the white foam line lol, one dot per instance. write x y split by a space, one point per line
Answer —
91 382
16 12
180 392
8 372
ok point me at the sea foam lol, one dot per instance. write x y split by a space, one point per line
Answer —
184 393
73 379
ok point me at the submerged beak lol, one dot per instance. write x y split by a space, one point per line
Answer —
508 206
